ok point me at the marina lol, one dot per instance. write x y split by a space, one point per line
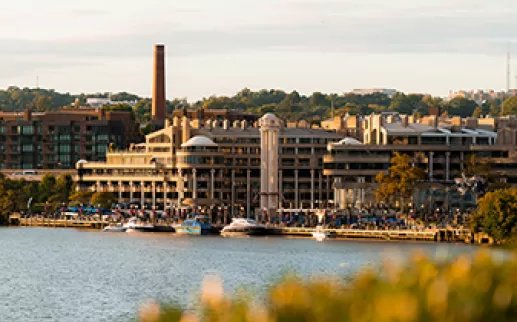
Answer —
431 235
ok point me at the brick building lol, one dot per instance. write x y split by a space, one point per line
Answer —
58 139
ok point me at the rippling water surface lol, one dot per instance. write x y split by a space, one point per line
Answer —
71 275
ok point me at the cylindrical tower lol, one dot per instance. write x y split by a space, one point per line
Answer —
269 136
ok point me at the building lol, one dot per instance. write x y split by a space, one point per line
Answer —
439 147
100 102
237 166
58 139
480 96
213 114
266 167
369 91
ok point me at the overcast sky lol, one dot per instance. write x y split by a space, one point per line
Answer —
220 47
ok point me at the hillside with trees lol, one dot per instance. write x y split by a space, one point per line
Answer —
291 106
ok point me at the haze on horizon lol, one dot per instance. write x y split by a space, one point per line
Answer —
220 47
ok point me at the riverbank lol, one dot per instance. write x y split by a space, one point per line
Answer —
432 235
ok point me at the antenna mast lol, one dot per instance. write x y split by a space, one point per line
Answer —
508 70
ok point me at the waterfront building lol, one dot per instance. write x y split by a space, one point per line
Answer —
265 167
439 147
232 166
58 139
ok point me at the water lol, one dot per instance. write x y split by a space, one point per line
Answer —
72 275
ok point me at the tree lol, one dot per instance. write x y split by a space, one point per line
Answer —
104 199
406 104
496 215
477 112
46 188
461 106
400 182
81 197
475 166
510 106
63 187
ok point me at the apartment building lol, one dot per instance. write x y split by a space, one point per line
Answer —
58 139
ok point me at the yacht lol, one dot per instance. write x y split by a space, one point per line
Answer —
134 225
200 225
115 228
243 226
319 234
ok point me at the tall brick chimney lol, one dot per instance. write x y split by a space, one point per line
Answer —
158 111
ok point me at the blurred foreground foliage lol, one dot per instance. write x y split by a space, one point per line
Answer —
477 288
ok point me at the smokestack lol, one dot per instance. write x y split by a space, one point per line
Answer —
158 111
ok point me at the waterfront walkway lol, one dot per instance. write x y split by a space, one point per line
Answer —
436 235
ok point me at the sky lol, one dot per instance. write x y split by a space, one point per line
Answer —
219 47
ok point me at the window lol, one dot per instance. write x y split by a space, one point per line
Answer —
27 129
27 148
65 149
64 158
65 137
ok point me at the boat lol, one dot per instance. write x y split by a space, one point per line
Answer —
115 229
319 234
243 227
134 225
199 225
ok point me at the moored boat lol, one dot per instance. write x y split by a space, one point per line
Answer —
115 229
133 225
200 225
319 234
243 227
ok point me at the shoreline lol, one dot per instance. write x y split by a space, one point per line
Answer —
276 235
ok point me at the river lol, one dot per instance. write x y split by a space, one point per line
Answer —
73 275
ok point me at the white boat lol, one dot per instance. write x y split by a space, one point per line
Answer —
243 226
319 234
133 225
115 229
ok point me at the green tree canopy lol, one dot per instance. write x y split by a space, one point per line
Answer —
104 199
461 106
81 197
496 215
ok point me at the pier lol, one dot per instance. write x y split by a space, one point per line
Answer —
431 235
60 223
436 235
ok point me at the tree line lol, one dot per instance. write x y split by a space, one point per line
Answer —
49 194
291 106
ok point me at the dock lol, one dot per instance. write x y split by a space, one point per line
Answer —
61 223
430 235
361 234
